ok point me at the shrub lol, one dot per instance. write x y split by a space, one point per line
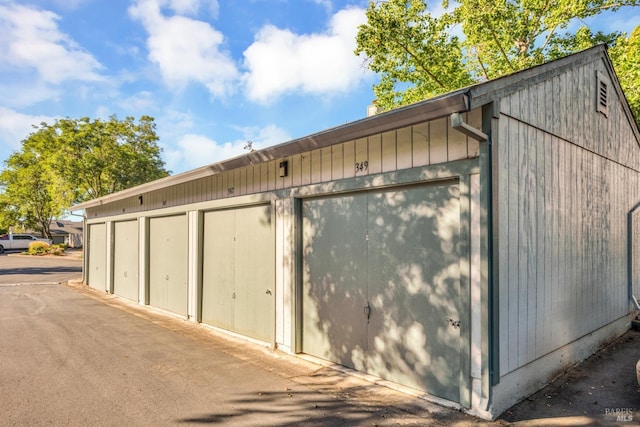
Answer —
38 248
57 249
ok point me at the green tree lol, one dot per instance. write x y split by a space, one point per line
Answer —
29 188
418 55
74 160
626 59
101 157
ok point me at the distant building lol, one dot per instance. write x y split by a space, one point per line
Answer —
68 232
470 246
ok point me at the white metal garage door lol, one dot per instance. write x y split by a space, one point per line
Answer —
168 263
238 273
125 259
381 283
97 270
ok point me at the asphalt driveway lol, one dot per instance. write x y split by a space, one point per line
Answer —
20 269
74 356
71 355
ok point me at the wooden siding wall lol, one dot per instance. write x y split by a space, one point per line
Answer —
568 176
635 273
565 106
419 145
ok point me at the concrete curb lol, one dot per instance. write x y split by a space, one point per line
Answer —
60 257
2 285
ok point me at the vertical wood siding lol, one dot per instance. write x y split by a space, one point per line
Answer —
635 273
419 145
565 106
568 178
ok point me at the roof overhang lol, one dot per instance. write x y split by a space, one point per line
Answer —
441 106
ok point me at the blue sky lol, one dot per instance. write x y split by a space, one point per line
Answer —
213 73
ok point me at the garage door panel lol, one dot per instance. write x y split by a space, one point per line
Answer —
239 271
218 275
125 260
405 272
97 274
334 296
168 263
255 273
413 287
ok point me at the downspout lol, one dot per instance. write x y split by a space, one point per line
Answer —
85 252
480 405
630 265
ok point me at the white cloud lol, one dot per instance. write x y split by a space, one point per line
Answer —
327 4
186 50
18 95
31 40
15 127
265 136
141 101
193 150
280 61
192 7
69 4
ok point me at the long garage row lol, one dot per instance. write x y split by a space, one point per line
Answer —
436 246
375 280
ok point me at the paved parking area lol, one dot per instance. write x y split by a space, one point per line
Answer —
71 355
19 269
74 356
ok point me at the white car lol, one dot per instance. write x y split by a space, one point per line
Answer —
18 241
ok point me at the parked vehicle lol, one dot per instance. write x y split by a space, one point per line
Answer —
10 242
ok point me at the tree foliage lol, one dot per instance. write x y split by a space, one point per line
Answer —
626 59
74 160
419 55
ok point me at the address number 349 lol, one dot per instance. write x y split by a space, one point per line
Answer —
362 166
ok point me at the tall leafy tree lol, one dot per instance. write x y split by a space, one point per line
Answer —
99 157
626 58
419 55
30 193
74 160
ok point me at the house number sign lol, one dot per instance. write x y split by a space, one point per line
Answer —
362 166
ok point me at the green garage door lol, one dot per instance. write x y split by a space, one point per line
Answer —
168 263
238 273
125 259
380 282
97 273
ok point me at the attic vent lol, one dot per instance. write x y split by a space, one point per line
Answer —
602 102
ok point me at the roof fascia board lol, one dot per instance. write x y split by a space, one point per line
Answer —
623 99
492 90
434 108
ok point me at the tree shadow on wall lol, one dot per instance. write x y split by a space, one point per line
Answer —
381 284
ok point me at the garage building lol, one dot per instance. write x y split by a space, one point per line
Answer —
467 247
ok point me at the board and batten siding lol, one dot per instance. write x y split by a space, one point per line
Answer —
565 106
415 146
635 252
568 178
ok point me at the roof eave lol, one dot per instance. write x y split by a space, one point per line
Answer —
441 106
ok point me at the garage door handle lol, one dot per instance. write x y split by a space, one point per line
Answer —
268 292
367 311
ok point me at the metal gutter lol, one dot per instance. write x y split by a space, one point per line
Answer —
431 109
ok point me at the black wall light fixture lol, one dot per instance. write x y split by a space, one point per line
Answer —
284 168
